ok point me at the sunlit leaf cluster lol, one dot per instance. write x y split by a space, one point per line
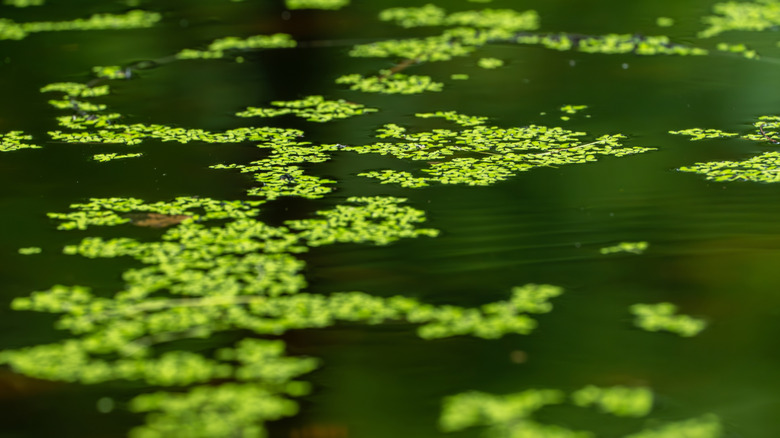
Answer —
390 83
316 4
706 426
742 16
113 156
490 63
130 20
617 400
482 155
311 108
15 140
219 47
664 316
23 3
701 134
611 44
632 247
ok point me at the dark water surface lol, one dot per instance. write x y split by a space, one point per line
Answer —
714 247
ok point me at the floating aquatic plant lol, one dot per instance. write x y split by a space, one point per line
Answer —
111 72
706 426
663 316
490 63
431 15
611 44
315 4
459 77
74 89
390 83
311 108
30 250
738 48
113 156
23 3
664 22
632 247
218 47
130 20
482 155
15 140
701 134
617 400
761 168
750 16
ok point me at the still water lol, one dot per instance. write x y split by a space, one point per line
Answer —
712 246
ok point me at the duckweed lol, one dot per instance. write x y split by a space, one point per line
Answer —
664 22
23 3
490 63
663 316
482 155
742 16
763 168
315 4
611 44
111 72
737 48
30 250
311 108
130 20
15 140
113 156
617 400
632 247
218 47
706 426
390 83
701 134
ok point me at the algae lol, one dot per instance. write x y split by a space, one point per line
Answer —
663 316
131 20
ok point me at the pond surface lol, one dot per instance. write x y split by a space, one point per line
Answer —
193 304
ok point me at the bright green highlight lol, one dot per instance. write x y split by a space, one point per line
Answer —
30 250
738 48
311 108
701 134
15 140
706 426
459 77
10 30
218 47
315 4
23 3
490 63
110 72
482 155
763 168
390 83
430 15
632 247
742 16
663 316
573 109
611 44
664 22
113 156
617 400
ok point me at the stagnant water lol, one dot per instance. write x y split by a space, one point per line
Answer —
711 246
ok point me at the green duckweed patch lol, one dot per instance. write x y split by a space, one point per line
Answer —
15 140
23 3
631 247
316 4
390 83
611 44
617 400
701 134
482 155
30 250
738 48
742 16
490 63
10 30
664 316
219 47
113 156
664 22
311 108
706 426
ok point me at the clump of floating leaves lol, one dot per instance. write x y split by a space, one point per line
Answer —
664 316
617 400
490 63
315 4
611 44
764 167
130 20
738 48
311 108
750 16
632 247
30 250
15 140
512 415
482 155
113 156
218 47
390 83
23 3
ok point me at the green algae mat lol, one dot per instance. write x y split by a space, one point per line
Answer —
349 219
